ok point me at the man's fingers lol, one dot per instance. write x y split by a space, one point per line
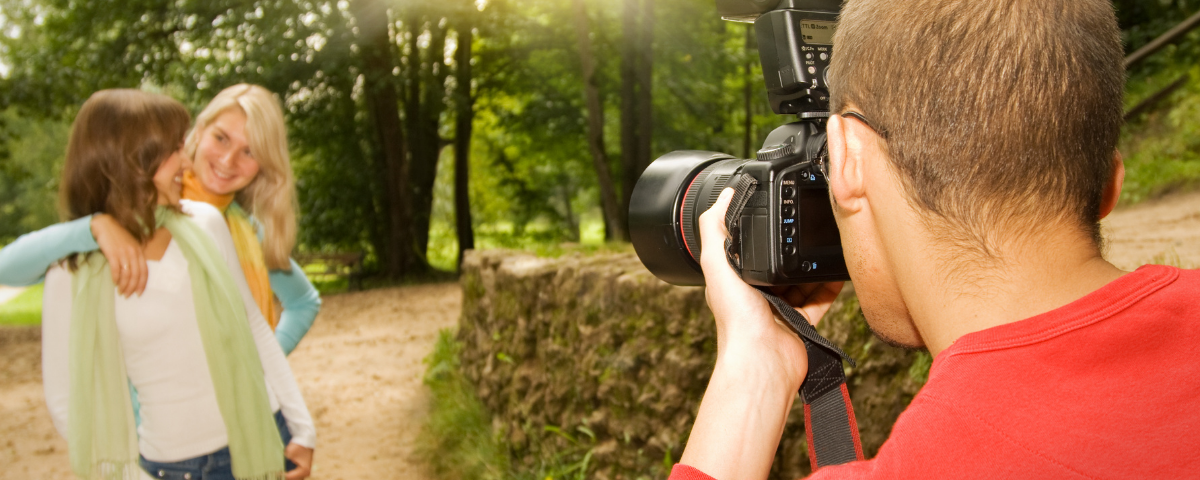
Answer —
712 242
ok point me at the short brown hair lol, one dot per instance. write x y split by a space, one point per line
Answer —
118 140
997 112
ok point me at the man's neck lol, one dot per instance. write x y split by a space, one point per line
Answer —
1025 278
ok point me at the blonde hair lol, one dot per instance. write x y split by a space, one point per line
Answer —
271 196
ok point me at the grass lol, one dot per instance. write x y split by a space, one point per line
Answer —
25 309
457 439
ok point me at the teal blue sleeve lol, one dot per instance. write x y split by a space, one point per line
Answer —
25 261
300 301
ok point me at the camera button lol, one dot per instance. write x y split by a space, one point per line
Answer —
788 210
809 56
824 56
788 230
788 191
806 266
789 249
812 70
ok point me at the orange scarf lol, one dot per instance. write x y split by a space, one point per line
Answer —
245 240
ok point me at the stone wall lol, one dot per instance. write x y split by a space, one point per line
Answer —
593 353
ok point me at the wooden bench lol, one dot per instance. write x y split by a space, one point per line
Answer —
338 264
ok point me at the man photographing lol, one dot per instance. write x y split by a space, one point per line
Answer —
972 154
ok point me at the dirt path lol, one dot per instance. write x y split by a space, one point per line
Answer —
359 368
1161 231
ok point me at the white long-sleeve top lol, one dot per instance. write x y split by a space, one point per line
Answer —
164 355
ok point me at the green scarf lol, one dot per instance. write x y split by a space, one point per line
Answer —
100 426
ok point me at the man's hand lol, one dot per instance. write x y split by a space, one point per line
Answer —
302 456
760 363
746 326
124 255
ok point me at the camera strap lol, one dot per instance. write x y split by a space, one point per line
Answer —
830 428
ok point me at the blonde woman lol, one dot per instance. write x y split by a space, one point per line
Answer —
239 154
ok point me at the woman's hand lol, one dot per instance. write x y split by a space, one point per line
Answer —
124 254
302 456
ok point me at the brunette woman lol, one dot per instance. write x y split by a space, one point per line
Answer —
195 345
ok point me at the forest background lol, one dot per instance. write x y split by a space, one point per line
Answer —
421 128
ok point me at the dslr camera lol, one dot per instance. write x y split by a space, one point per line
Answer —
786 233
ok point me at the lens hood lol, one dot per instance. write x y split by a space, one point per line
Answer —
654 215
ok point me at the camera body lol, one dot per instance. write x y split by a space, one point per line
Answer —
786 233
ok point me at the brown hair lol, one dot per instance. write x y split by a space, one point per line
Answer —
118 140
997 112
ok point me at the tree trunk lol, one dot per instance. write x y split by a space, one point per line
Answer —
426 101
637 55
614 217
382 102
462 141
645 104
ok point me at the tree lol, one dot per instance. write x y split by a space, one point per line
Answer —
637 67
463 123
615 220
382 102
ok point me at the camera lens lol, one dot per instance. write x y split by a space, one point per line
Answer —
665 207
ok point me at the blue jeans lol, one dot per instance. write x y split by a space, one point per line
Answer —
214 466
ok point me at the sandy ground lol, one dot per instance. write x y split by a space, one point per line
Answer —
1162 231
359 368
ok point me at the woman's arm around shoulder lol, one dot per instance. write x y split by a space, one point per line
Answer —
25 261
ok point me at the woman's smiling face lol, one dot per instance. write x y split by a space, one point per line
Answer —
224 163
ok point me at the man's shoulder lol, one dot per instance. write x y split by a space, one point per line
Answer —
1047 392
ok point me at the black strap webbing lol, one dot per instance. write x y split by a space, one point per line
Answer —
829 423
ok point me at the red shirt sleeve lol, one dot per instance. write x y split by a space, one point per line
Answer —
684 472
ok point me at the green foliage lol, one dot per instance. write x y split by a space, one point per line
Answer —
532 181
25 309
29 173
1161 148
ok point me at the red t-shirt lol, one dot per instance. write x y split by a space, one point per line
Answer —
1107 386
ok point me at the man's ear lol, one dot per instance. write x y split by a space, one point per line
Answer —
1112 191
846 183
